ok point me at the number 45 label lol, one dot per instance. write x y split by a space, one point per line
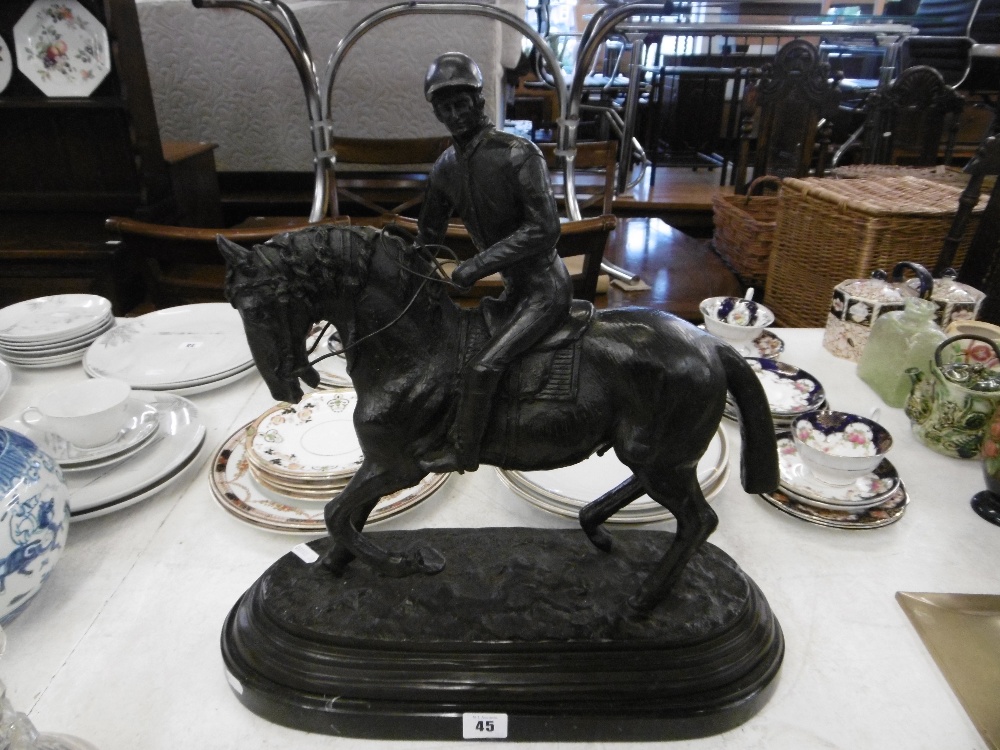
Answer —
484 726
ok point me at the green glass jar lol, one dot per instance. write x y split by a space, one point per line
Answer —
899 341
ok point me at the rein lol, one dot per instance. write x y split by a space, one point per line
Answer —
440 278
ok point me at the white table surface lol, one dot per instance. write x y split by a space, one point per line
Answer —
121 646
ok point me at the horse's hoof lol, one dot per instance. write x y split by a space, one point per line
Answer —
428 560
335 561
600 538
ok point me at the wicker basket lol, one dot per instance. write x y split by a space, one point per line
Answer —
744 231
832 230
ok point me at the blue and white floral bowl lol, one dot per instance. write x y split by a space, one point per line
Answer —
735 319
34 520
838 447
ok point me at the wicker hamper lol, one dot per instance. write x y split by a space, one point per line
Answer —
832 230
744 231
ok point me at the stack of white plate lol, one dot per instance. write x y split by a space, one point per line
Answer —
5 378
52 331
184 350
281 470
566 490
161 438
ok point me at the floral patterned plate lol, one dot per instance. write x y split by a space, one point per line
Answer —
238 493
6 66
797 481
789 390
887 512
62 48
314 438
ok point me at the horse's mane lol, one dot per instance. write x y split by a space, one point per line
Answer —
312 262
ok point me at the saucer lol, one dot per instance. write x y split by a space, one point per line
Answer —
175 446
314 438
799 482
235 489
55 318
789 390
887 512
5 378
139 427
767 346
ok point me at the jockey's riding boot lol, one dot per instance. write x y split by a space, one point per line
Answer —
475 403
472 417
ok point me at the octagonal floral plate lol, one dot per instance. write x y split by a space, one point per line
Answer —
62 48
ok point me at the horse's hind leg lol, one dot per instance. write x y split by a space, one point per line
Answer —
345 517
600 510
679 491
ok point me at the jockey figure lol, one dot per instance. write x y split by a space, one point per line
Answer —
499 185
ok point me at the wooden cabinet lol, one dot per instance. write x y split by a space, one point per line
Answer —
68 163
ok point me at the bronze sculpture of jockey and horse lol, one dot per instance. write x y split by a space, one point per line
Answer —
541 381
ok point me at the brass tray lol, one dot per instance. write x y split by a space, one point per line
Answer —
962 632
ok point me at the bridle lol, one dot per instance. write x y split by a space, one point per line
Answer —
439 277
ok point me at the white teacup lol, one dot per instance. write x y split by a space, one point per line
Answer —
87 414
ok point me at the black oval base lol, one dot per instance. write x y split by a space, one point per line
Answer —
528 623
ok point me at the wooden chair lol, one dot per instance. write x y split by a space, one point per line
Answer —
783 111
382 176
182 265
581 245
906 123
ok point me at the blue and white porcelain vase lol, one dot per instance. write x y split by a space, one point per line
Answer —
34 520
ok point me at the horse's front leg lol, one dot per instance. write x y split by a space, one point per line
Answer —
346 515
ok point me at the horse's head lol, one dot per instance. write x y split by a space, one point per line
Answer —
276 288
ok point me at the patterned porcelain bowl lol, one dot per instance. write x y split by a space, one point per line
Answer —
839 448
34 520
735 319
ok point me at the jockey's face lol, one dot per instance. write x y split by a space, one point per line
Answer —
458 110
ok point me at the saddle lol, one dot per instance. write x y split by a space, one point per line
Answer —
549 370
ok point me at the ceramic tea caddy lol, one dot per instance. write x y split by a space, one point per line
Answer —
858 303
951 406
955 302
34 520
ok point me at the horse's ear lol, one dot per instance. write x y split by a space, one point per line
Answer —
235 255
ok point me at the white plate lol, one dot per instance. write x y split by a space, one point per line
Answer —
178 347
41 364
62 48
235 489
141 423
48 348
50 319
5 378
586 481
132 498
212 384
626 515
313 438
179 437
6 65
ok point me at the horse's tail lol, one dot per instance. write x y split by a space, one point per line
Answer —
759 461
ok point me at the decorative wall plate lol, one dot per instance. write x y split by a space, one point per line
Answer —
6 65
62 48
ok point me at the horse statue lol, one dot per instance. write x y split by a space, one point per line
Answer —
643 382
